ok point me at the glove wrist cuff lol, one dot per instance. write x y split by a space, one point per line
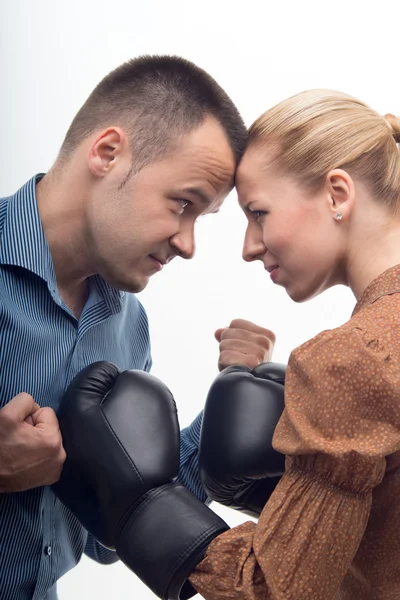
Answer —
165 536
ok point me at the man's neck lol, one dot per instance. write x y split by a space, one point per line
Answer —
75 298
62 215
61 210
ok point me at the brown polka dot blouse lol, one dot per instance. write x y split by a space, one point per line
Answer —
331 529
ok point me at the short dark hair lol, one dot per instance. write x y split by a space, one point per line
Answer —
156 99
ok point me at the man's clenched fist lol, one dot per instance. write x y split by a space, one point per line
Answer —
244 343
31 449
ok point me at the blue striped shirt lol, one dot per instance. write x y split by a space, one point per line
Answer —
42 347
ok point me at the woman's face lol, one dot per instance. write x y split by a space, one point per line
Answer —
293 232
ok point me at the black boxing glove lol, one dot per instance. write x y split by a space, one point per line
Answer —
121 436
238 465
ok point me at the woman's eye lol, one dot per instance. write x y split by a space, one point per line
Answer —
255 215
258 214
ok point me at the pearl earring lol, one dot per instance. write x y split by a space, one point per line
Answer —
338 216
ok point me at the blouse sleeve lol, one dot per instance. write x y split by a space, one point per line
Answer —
341 420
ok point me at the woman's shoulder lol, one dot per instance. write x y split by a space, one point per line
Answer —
375 328
342 390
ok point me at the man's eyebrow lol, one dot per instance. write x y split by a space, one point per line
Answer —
198 192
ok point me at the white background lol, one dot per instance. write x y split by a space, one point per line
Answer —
52 54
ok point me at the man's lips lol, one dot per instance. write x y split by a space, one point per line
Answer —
161 261
158 262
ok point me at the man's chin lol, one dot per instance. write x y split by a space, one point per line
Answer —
136 287
132 287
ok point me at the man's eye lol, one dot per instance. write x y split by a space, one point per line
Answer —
183 203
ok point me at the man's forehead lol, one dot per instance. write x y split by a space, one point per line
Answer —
208 147
207 175
209 162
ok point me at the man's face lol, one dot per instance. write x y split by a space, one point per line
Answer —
135 228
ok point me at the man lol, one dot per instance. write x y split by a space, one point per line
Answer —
155 145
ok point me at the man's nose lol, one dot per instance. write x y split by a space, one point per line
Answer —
184 243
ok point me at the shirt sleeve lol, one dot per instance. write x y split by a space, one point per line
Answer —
99 553
341 420
189 474
148 363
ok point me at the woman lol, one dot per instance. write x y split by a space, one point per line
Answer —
320 186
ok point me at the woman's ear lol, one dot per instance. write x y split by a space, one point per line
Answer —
341 194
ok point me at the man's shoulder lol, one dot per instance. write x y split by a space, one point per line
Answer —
4 202
23 196
134 306
135 331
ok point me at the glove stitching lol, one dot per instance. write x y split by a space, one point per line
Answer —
121 446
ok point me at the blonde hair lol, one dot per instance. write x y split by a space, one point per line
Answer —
316 131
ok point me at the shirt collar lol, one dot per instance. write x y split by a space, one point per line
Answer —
387 283
23 243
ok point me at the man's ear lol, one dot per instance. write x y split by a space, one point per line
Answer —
340 193
106 148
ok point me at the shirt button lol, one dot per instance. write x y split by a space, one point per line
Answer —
47 550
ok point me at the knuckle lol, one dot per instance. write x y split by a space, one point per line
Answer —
24 396
224 334
268 356
54 442
244 324
49 413
56 469
233 334
261 356
62 455
225 346
269 335
264 342
227 358
6 418
223 355
272 337
236 323
249 361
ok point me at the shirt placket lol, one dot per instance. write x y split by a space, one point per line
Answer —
46 561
